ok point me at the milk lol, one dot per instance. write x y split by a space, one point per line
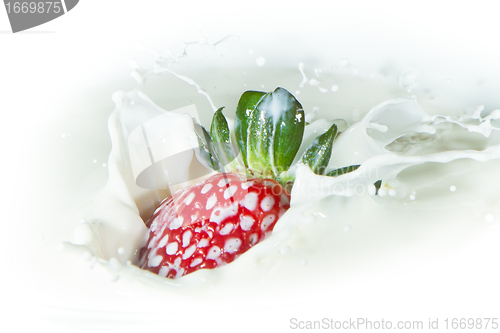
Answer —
332 233
112 230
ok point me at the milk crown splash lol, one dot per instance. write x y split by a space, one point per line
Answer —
115 218
366 143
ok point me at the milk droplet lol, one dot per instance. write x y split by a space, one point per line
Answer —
453 188
313 82
119 97
260 61
320 214
303 262
409 76
489 218
120 250
94 161
412 197
311 115
476 114
347 228
104 165
114 264
335 88
344 62
285 250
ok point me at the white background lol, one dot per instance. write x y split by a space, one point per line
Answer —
93 43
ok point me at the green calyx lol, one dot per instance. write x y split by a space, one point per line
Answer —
318 154
220 138
268 132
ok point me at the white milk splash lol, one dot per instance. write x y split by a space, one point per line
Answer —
392 137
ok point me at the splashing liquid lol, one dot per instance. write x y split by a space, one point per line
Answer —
397 142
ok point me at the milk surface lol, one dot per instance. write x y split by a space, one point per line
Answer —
437 163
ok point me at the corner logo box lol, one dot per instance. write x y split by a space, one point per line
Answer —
31 13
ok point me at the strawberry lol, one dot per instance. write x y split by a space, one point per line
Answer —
211 223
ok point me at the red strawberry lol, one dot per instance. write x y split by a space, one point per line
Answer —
211 223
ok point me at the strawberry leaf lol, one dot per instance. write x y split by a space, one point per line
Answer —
318 154
221 144
288 132
205 153
342 171
275 132
244 111
377 185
